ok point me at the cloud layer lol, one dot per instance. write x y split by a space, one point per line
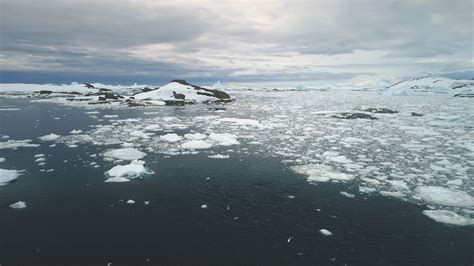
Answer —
262 40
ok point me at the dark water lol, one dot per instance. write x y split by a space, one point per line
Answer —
74 218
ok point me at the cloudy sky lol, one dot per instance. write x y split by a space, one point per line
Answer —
235 41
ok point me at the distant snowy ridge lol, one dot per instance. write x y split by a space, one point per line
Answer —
432 85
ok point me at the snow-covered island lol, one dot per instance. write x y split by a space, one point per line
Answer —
177 92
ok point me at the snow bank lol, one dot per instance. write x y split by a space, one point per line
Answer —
7 176
445 196
126 154
448 217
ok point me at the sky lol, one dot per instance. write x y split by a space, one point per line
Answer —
234 41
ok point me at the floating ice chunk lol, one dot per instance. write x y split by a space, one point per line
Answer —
7 176
140 134
127 154
195 136
445 196
321 173
242 122
395 194
2 159
117 179
346 194
224 139
92 112
171 137
110 116
18 205
153 128
13 144
448 217
40 159
130 201
129 171
325 232
218 156
49 137
75 131
196 144
39 155
456 182
204 206
398 184
73 145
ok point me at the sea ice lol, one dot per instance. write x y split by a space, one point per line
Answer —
18 205
448 217
325 232
171 137
224 139
196 144
14 144
218 156
445 196
7 176
127 154
321 173
50 137
130 171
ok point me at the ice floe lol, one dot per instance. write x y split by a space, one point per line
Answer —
14 144
325 232
445 196
321 173
7 176
49 137
126 154
18 205
448 217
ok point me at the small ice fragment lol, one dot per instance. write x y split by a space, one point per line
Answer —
49 137
346 194
146 202
117 179
289 239
2 159
18 205
291 196
204 206
325 232
130 201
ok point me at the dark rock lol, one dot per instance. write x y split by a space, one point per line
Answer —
89 86
179 96
465 95
416 114
222 96
102 98
110 96
353 116
45 92
102 90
